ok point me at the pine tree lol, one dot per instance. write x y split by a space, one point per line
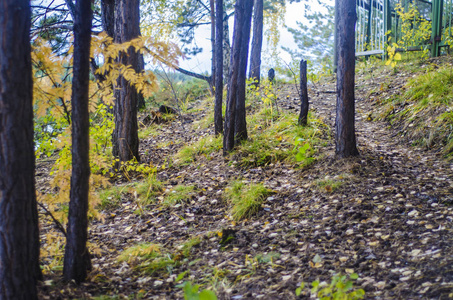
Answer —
19 243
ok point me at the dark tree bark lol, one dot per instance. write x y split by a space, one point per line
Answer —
234 120
125 134
303 94
213 26
257 42
19 235
218 123
240 126
344 124
108 25
77 258
108 16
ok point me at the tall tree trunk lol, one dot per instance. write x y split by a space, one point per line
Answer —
230 114
345 138
19 242
257 42
77 258
240 126
108 16
234 120
213 60
125 134
226 47
218 123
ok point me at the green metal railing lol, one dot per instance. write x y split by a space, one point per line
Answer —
377 20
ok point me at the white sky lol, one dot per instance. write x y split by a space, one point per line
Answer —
202 62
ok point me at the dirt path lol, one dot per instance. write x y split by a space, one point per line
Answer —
389 219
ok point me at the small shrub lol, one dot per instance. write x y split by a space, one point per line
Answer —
340 288
191 292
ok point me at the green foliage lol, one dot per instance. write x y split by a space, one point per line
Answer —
415 32
314 37
191 292
179 194
246 200
304 151
340 288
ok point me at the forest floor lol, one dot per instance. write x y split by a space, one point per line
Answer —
386 215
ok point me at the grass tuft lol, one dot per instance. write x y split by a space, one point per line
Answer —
149 189
179 194
272 138
246 200
204 146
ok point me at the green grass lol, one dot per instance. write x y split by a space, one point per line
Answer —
148 190
147 257
186 247
245 199
328 185
151 258
111 197
203 147
272 137
150 131
424 109
179 194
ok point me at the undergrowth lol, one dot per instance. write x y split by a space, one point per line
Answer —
179 194
245 199
424 110
203 147
276 137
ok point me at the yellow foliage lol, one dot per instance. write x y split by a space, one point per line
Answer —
52 101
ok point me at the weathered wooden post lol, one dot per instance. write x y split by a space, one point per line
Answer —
303 94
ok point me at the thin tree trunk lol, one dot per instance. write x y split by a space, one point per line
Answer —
240 127
235 123
19 242
303 94
257 42
345 124
213 60
77 258
218 123
125 134
230 114
141 99
226 47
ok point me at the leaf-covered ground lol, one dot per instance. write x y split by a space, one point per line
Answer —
386 215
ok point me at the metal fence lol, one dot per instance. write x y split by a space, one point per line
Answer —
377 20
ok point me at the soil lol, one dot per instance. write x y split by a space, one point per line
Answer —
390 218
